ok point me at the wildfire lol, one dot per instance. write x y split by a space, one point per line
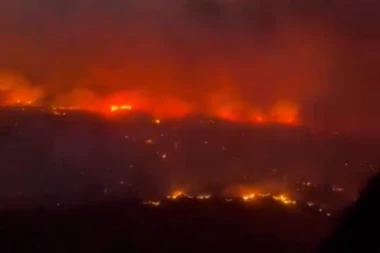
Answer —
180 194
280 113
204 196
59 113
152 203
176 195
114 108
66 108
248 197
19 102
281 198
284 199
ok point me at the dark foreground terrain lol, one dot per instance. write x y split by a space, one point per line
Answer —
173 226
54 164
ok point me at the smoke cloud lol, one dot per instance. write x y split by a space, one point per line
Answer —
317 61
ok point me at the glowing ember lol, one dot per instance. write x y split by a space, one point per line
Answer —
59 113
176 195
248 197
149 141
264 195
152 203
126 107
67 108
19 102
205 196
284 199
179 194
281 198
337 189
114 108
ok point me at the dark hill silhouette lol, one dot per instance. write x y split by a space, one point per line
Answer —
178 226
357 229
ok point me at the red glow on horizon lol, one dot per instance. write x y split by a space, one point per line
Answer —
114 108
171 108
283 112
258 118
226 114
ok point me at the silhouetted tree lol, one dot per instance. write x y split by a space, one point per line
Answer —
357 230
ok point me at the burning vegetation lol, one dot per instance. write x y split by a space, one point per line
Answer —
252 198
180 195
286 114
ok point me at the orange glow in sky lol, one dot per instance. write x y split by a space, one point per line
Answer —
282 112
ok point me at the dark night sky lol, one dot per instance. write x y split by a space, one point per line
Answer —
322 56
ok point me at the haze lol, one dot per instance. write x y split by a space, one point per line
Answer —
317 61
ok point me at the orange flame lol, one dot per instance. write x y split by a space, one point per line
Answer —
282 112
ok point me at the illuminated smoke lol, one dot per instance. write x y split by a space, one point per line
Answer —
15 89
312 63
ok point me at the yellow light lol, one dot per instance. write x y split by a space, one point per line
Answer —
176 195
248 197
285 200
126 107
114 108
152 203
204 196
